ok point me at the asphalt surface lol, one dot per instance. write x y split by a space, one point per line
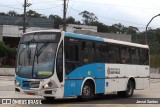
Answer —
153 91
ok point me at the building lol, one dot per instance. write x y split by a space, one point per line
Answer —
122 37
92 30
11 27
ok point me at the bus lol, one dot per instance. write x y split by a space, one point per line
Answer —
58 64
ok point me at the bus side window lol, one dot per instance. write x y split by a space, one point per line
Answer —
144 57
134 56
125 55
113 54
101 54
88 50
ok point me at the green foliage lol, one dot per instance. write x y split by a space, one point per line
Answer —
157 33
12 13
57 20
71 20
6 51
29 13
100 26
32 13
119 28
155 61
7 55
88 17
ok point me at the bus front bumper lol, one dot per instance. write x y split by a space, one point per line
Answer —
44 92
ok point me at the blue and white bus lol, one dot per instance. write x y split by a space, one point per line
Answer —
58 64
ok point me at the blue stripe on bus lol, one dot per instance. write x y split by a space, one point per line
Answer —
21 81
76 78
81 36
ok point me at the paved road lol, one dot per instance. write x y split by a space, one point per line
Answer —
7 87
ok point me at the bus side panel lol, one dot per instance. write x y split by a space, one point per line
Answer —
116 78
74 80
100 85
70 88
142 79
146 74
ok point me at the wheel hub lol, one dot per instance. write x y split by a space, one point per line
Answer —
86 91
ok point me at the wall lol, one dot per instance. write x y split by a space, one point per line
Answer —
16 31
7 71
155 73
122 37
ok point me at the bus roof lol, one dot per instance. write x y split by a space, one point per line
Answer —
96 38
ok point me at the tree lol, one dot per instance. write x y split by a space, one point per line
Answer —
57 20
3 14
88 17
132 30
100 26
157 33
6 54
32 13
118 28
70 19
12 13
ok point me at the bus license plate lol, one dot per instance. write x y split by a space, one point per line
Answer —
31 93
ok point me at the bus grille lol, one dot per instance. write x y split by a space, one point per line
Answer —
34 84
30 84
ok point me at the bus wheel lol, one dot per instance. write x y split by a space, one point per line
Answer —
129 92
49 98
87 91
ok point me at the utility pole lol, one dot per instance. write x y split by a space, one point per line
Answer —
64 16
24 17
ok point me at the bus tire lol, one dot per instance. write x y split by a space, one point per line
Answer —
87 91
49 98
129 92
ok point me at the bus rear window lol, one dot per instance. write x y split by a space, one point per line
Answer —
144 57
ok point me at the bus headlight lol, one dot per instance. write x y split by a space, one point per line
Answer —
17 83
48 85
45 86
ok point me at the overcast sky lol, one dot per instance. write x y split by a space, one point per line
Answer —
127 12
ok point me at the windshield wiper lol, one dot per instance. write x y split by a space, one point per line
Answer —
42 48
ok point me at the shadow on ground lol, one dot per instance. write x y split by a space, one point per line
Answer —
98 99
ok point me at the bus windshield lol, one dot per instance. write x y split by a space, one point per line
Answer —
36 59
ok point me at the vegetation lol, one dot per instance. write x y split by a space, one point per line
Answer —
7 55
88 17
155 61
